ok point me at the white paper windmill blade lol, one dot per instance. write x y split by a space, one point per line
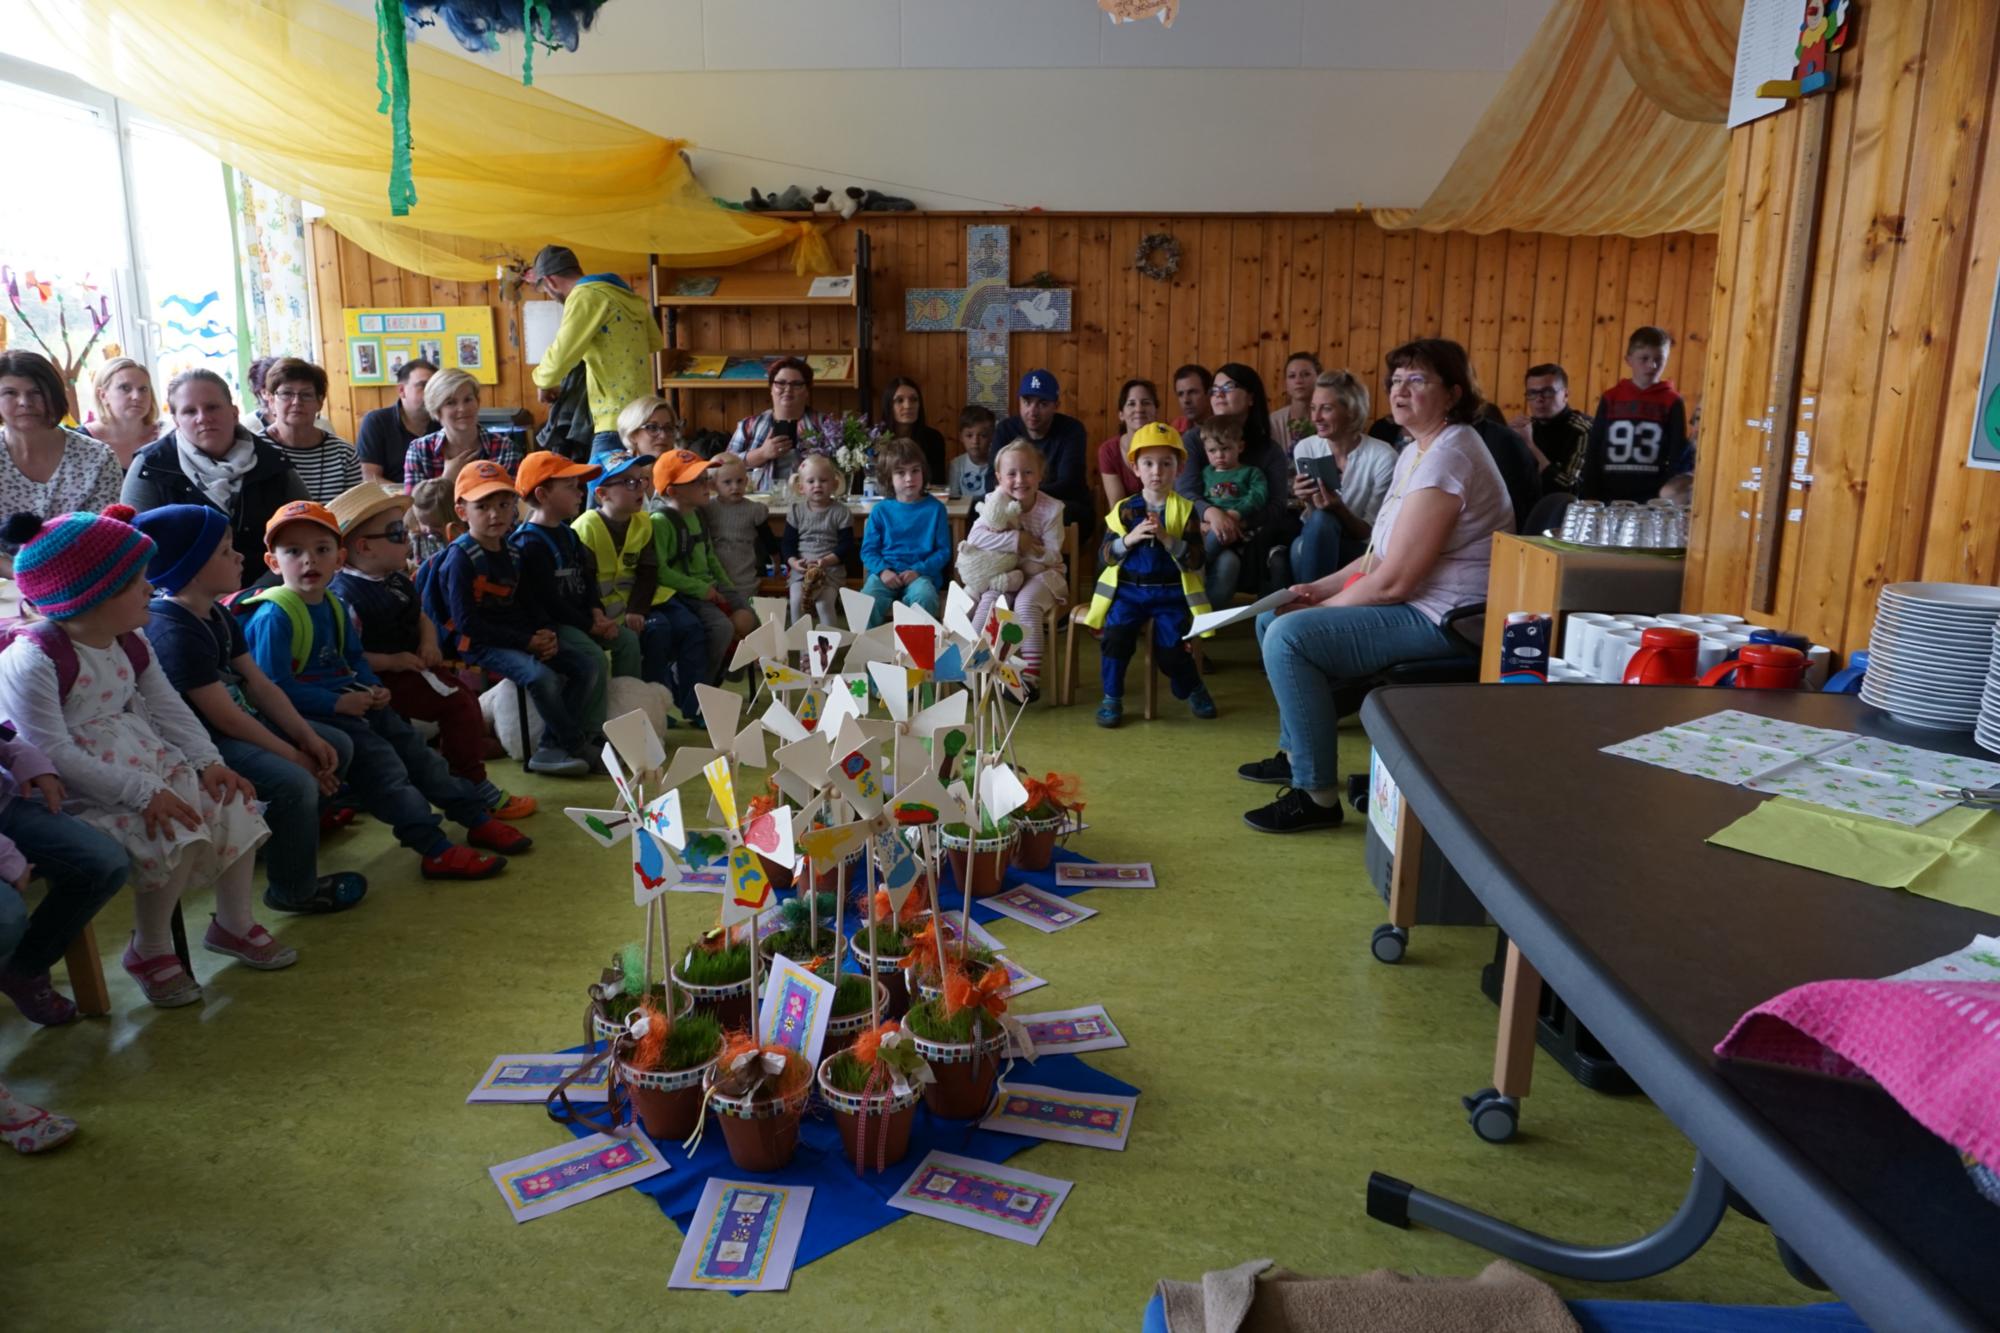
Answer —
912 732
768 834
721 710
865 645
857 775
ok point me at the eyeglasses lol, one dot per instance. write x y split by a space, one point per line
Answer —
654 428
788 384
624 479
296 396
395 532
1549 392
1220 387
1414 383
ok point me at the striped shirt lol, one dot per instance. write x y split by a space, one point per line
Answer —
328 467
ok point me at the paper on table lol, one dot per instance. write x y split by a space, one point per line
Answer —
1902 761
1954 858
1770 732
744 1237
1977 961
1854 791
1229 615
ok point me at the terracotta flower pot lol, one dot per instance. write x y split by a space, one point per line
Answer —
761 1135
874 1130
842 1029
888 972
966 1073
826 878
668 1100
1037 846
780 876
979 865
605 1028
730 1003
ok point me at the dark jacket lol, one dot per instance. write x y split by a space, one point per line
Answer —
155 478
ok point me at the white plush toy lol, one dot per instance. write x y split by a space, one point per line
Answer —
981 570
502 708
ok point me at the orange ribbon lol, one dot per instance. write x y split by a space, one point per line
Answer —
1062 791
988 993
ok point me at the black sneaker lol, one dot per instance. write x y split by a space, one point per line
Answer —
1294 811
1277 770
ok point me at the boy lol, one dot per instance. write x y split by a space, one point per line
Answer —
291 762
673 646
975 442
398 641
687 559
430 506
302 640
906 542
475 595
1151 571
1242 491
1639 435
558 574
739 529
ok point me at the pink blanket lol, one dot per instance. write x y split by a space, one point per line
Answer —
1933 1045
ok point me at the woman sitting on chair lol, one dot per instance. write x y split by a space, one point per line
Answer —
1427 556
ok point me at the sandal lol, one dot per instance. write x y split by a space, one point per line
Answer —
165 982
255 949
39 1132
330 893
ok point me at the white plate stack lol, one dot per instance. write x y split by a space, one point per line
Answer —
1930 655
1987 732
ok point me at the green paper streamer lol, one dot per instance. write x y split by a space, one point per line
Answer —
531 12
392 83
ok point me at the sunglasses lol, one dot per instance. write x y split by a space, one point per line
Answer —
395 532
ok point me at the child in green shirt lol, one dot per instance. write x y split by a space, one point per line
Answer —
687 559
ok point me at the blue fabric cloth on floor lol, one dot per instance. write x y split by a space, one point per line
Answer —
1662 1317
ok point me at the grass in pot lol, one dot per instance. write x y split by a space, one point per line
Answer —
872 1090
1055 805
958 1033
716 971
665 1068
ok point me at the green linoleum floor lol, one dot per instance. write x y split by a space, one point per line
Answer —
296 1151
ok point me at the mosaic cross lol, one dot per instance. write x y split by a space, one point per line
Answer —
987 311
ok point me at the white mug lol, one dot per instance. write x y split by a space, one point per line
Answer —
1819 665
1717 648
1681 618
1615 650
1580 631
1722 618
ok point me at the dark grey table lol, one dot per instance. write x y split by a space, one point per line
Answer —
1597 870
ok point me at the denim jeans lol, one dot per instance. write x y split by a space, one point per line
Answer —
918 592
1321 547
1223 571
397 779
291 853
83 867
561 687
1308 653
673 651
1165 604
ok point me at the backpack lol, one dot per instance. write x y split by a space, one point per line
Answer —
300 616
60 649
430 591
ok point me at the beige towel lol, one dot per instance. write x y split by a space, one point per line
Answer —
1502 1299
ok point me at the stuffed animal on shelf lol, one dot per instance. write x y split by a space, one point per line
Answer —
981 570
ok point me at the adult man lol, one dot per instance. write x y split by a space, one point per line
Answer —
386 432
1191 383
607 327
1065 448
1557 431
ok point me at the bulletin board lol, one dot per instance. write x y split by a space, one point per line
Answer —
380 339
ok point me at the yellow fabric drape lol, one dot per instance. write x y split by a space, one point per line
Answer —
1681 53
284 90
1573 145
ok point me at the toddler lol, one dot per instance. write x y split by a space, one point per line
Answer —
1242 491
975 442
738 527
819 539
1041 579
907 541
433 525
1152 571
84 688
673 646
688 563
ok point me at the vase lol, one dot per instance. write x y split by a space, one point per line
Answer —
979 865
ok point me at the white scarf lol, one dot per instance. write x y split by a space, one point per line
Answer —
219 478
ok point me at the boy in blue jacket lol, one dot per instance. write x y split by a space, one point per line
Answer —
907 541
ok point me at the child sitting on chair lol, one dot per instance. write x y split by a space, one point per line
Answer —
819 539
433 525
688 563
1152 571
1040 579
975 439
1243 491
907 541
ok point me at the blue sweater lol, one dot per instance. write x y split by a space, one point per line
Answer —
315 686
914 535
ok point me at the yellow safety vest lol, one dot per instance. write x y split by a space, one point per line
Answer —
617 569
1172 524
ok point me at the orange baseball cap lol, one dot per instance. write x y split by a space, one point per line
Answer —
678 467
543 466
481 478
303 511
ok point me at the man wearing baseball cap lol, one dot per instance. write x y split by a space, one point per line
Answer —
1064 445
606 326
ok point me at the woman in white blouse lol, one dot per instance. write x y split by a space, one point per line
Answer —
47 468
1340 476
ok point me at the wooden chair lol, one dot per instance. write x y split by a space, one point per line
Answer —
1068 679
1058 692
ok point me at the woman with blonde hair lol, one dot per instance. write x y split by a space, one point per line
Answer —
128 415
452 398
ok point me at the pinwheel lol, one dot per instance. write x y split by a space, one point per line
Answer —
747 836
907 732
721 710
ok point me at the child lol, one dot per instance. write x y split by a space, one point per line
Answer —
1151 571
474 594
1041 578
250 721
84 689
907 541
687 558
1638 439
673 646
819 539
738 528
303 641
1242 491
558 574
975 440
434 527
400 643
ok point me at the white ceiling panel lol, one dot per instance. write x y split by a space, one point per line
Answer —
1208 34
800 34
1019 34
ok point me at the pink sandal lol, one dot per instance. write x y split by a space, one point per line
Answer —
257 949
165 982
39 1132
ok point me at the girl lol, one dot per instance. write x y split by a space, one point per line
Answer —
1042 579
85 689
819 539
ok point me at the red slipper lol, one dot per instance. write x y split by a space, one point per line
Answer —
497 836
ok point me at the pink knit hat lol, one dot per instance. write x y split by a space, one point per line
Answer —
70 563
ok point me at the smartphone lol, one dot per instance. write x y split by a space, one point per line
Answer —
1303 465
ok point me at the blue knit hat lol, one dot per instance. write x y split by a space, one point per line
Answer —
184 537
70 563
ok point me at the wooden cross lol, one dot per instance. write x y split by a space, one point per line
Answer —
987 311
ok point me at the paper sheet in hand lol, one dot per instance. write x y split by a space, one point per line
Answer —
744 1237
551 1181
999 1200
1229 615
436 684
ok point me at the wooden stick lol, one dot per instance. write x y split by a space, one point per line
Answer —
927 840
755 920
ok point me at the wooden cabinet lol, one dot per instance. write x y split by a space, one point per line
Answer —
1536 574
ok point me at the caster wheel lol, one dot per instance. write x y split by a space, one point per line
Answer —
1493 1118
1388 943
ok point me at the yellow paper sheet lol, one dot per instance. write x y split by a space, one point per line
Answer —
1954 858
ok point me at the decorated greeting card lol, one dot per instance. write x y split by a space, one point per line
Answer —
1071 1031
744 1237
1105 875
1044 911
531 1078
1092 1119
551 1181
999 1200
1019 979
797 1005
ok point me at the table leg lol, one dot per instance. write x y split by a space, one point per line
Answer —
1399 1203
1520 1007
1406 863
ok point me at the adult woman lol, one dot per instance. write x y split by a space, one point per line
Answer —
1237 392
1428 555
1341 476
46 468
647 428
128 416
295 389
773 442
903 411
210 458
1138 405
452 399
1293 421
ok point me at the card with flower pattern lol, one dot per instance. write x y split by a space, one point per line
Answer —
548 1182
744 1237
999 1200
1092 1119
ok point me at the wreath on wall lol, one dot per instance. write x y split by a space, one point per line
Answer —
1158 256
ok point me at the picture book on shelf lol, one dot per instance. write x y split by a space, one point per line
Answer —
703 285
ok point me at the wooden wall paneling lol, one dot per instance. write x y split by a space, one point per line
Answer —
1090 315
1365 299
1698 305
1276 340
1031 255
1715 480
1607 337
1399 260
1579 325
1427 286
1461 258
1062 353
1307 247
1517 322
1670 299
325 244
1246 320
1642 282
1184 324
1489 305
1551 303
1336 299
1149 305
1211 346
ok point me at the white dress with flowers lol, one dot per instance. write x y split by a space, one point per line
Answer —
115 743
